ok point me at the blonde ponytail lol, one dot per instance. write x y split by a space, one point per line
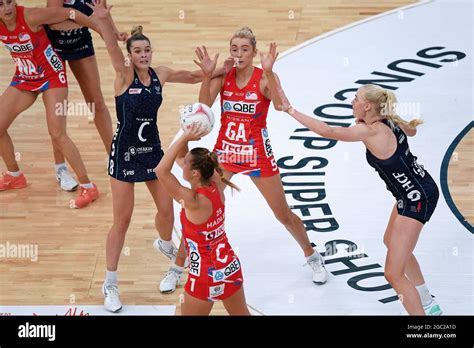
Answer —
385 103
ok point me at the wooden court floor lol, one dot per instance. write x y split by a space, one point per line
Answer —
71 263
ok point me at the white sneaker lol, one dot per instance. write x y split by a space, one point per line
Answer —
320 275
170 281
433 308
111 298
65 180
171 254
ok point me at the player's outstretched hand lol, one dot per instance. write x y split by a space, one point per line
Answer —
206 64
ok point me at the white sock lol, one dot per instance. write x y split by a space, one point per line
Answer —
15 174
313 257
61 165
176 268
424 294
111 278
166 244
88 185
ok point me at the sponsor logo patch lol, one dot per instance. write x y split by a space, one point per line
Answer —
216 291
229 270
251 96
194 258
53 59
266 143
20 47
24 37
240 107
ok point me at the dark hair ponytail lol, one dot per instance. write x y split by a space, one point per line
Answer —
207 162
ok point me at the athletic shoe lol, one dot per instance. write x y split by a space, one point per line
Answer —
170 281
320 275
111 298
65 180
86 197
433 308
170 254
9 182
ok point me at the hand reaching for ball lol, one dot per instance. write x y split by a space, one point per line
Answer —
194 132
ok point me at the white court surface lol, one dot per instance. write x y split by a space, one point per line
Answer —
356 205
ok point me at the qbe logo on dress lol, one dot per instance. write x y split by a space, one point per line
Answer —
229 270
53 59
194 258
240 107
20 47
266 143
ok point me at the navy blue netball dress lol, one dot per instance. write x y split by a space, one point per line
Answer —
411 185
76 43
136 147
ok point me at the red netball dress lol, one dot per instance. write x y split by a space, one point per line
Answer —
214 269
38 67
243 145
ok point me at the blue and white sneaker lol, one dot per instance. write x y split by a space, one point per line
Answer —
433 308
111 298
171 253
65 180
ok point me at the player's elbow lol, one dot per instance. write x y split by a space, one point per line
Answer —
180 161
161 171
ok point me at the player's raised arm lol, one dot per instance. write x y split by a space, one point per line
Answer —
210 87
122 67
163 171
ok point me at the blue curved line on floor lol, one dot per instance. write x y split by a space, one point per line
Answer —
444 177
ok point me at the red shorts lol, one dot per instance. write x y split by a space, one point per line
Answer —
58 80
216 284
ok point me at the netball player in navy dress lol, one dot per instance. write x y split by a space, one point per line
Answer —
385 136
73 44
136 148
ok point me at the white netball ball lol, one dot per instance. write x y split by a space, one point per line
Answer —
197 113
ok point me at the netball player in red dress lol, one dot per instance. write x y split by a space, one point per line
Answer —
243 145
38 70
74 45
215 272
